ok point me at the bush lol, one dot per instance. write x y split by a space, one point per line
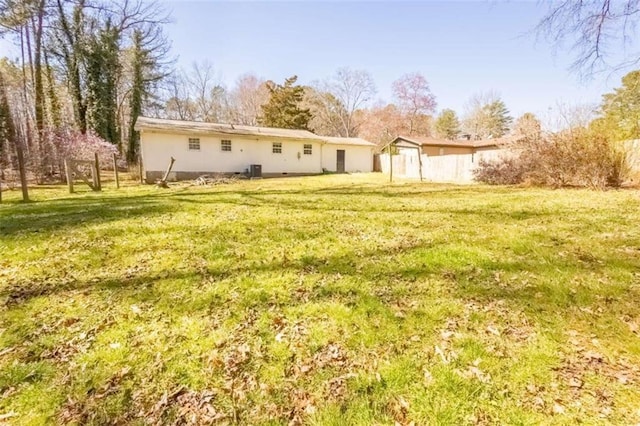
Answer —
504 171
577 157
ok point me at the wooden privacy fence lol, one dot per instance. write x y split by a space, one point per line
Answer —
445 168
457 168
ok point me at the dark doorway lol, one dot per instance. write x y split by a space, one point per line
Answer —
340 162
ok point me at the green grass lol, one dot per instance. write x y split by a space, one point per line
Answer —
325 300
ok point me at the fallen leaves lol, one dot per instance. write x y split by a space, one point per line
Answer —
187 407
474 372
83 411
445 355
293 334
583 366
408 303
301 404
399 410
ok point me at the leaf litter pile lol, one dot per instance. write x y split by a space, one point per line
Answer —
323 300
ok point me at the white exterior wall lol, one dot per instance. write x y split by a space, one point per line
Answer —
158 148
357 158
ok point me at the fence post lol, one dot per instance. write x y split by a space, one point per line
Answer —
115 170
67 168
390 165
420 161
97 185
140 168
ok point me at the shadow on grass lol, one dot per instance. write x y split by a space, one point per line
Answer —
96 208
549 288
73 212
257 199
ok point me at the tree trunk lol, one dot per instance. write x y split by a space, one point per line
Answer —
23 173
39 88
25 97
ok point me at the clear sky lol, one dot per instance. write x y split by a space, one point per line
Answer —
461 47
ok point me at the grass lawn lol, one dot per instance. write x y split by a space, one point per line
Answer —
325 300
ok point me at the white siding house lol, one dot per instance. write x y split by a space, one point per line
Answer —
205 148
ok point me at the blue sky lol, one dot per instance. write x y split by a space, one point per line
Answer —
461 47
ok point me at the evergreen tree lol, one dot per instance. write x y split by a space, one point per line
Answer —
486 116
284 107
497 118
103 68
447 124
137 92
621 109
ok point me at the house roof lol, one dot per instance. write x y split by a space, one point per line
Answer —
198 127
429 141
148 123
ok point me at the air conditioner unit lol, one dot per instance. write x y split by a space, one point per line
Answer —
255 171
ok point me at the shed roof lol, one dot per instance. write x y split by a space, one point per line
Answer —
429 141
199 127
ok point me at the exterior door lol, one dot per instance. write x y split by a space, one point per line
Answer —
340 161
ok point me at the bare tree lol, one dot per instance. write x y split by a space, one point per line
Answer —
381 123
486 116
197 94
247 98
177 104
566 116
353 89
593 28
207 92
414 98
328 111
527 126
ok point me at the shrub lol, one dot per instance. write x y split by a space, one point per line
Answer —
503 171
577 157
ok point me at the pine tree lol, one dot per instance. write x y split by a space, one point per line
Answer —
283 109
497 119
447 124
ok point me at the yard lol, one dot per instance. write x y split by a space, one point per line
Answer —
322 300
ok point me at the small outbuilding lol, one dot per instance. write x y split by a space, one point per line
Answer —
206 148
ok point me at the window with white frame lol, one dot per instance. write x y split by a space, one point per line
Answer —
194 144
225 145
308 149
276 147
